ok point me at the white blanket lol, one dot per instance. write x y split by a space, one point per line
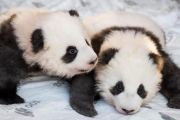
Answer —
48 100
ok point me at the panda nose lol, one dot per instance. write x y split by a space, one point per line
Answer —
127 111
93 62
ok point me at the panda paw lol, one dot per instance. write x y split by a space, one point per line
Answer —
11 100
84 110
174 103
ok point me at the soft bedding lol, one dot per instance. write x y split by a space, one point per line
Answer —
48 99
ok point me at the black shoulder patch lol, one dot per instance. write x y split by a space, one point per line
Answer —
141 91
34 68
37 40
98 40
73 13
170 80
7 36
107 55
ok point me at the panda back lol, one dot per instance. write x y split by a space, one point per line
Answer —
95 24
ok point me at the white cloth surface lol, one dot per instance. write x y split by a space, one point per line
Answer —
48 100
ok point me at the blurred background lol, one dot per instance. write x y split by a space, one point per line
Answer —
165 12
89 7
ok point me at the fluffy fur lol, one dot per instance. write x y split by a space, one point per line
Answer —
67 32
132 61
82 94
35 40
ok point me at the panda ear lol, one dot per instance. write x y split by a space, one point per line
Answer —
158 60
154 57
107 55
37 40
73 13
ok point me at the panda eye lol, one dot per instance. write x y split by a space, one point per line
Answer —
141 91
72 51
70 55
118 88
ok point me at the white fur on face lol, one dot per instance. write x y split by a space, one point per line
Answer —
132 66
60 30
132 72
67 32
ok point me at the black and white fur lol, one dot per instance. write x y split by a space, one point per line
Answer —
133 64
35 40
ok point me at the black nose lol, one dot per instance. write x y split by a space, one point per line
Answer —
127 111
93 62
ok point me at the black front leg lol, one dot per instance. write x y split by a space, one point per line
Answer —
8 89
170 86
174 102
82 94
12 68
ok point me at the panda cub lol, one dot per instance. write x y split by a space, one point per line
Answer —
133 65
35 40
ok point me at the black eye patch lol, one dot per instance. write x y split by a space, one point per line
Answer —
71 53
141 91
118 88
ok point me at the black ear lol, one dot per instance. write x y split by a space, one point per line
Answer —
73 13
154 58
37 40
158 60
107 55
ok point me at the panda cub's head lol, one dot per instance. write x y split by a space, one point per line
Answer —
129 69
66 50
57 43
